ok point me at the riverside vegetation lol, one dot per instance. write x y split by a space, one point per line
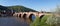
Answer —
48 20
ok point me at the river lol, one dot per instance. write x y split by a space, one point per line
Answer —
14 21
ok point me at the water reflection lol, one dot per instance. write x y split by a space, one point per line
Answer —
33 17
15 21
12 21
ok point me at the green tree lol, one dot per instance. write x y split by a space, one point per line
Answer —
21 9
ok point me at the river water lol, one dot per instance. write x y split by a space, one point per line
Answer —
14 21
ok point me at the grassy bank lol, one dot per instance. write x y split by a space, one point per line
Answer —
40 22
47 20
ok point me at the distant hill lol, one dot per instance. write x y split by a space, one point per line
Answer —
10 10
21 9
2 8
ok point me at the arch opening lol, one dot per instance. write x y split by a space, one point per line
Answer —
24 16
41 16
32 17
20 15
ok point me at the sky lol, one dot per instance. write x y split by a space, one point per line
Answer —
38 5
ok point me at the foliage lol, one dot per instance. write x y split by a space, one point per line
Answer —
17 8
58 10
53 21
48 20
40 22
3 8
21 9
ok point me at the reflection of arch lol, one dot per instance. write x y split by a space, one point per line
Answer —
30 16
24 16
20 15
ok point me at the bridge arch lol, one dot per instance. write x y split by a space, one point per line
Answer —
20 15
24 16
32 16
41 16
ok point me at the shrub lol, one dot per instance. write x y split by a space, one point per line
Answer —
39 22
53 21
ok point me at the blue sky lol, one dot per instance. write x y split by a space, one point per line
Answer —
38 5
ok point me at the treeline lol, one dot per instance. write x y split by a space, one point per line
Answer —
17 8
21 9
2 8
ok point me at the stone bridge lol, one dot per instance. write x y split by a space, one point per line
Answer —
28 14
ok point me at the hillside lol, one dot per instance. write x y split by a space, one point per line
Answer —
2 8
16 8
21 9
